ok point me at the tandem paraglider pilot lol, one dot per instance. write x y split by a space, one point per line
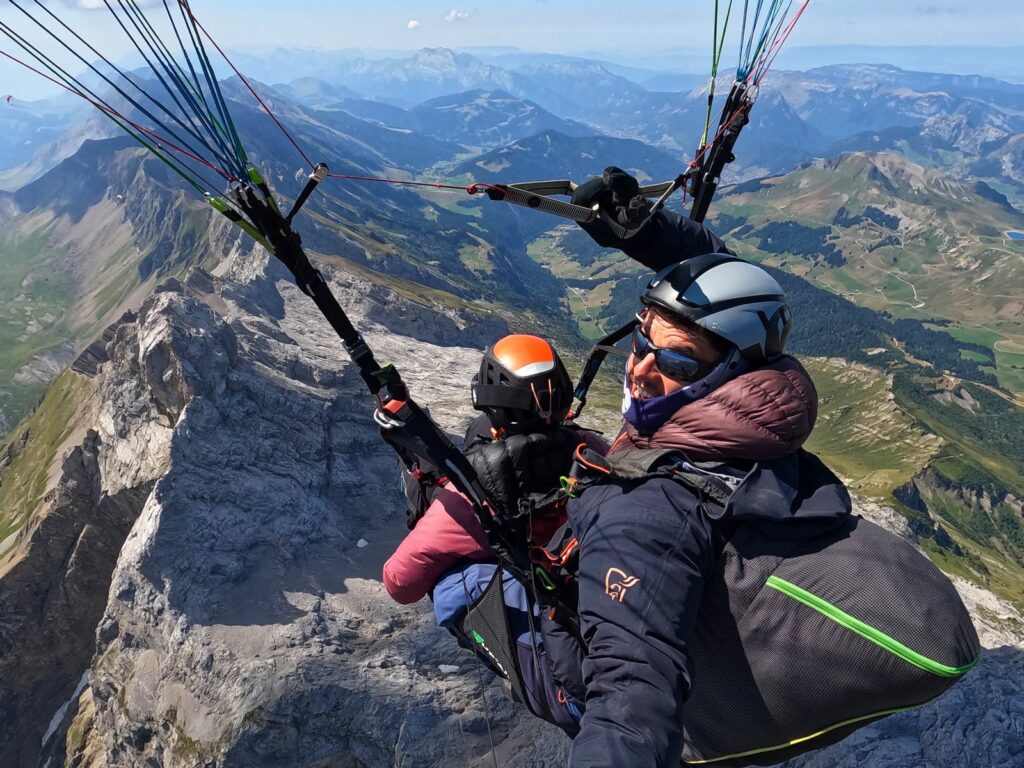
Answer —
705 508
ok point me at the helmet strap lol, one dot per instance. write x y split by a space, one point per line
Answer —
544 413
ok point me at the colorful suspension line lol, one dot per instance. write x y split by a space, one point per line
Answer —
189 127
145 136
770 25
186 9
170 123
717 46
250 205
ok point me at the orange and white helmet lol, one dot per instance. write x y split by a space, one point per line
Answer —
522 385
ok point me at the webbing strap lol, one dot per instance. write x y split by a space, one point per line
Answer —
498 396
596 358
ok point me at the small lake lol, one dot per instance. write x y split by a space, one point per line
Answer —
1015 235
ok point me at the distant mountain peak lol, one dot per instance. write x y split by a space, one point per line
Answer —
437 54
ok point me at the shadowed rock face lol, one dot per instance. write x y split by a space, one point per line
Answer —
52 598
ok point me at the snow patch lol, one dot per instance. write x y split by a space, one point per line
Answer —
58 716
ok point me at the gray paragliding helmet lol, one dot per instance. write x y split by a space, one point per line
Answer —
729 297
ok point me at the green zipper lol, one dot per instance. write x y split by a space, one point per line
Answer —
866 631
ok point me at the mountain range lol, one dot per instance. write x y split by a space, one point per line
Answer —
181 509
802 114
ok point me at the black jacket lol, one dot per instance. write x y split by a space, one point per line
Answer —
646 549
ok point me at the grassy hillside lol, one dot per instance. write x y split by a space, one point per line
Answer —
27 455
34 296
918 444
863 432
894 237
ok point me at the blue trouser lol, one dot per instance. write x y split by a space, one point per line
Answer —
460 588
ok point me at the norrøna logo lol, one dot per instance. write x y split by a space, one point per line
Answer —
617 582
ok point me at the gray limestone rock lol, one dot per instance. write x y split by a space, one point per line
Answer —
245 623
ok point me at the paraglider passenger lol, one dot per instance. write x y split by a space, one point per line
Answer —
520 445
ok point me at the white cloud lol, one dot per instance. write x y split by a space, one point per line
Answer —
456 15
413 24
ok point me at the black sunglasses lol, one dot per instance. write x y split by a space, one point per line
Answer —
670 362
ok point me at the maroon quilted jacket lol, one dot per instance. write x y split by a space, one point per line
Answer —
760 415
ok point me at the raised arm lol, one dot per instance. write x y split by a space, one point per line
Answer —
667 238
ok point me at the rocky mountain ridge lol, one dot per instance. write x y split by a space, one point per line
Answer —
244 622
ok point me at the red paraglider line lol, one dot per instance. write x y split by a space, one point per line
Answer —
110 111
188 10
776 46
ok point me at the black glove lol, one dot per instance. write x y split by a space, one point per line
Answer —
662 239
618 195
519 471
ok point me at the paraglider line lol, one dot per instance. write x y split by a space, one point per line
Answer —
472 189
192 92
115 115
71 50
190 23
160 72
773 52
184 5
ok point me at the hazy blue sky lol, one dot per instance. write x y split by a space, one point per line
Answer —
572 25
557 26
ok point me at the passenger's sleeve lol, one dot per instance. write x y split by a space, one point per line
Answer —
447 533
643 565
663 239
671 238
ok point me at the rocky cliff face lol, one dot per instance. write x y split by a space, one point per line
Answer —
243 619
986 512
244 624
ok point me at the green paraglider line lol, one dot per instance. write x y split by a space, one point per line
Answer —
717 46
193 95
193 26
123 122
188 129
195 22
